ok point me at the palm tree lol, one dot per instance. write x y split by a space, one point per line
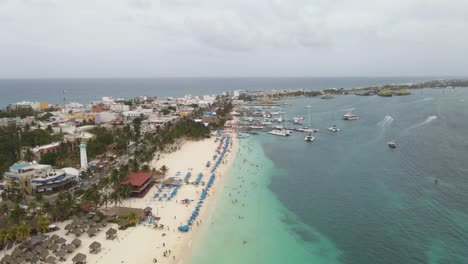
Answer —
18 214
164 169
125 190
43 224
32 207
133 218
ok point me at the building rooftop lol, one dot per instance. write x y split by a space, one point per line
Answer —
137 178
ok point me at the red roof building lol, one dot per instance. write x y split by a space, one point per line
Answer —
141 182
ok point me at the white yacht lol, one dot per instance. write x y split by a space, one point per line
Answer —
280 132
333 128
350 116
309 138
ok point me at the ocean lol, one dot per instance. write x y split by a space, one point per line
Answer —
86 90
346 197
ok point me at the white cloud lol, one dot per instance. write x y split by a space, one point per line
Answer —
221 37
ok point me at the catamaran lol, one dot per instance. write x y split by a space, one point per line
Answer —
309 138
333 128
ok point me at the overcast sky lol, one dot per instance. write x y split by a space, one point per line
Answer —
221 38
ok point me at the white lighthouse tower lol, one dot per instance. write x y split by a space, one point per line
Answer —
84 157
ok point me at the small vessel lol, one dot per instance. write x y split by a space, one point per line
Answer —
333 128
327 96
309 138
256 127
436 180
242 135
350 116
280 132
391 144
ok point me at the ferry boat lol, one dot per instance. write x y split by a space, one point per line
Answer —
391 144
350 116
280 132
309 138
333 128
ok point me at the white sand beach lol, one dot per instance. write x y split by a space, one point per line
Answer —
144 244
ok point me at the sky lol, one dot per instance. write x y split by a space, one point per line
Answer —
236 38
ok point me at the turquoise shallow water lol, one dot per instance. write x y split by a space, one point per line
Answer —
250 225
348 198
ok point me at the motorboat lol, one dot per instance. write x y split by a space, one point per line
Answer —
280 132
391 144
309 138
350 116
333 128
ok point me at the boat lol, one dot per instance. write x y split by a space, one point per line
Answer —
391 144
256 127
333 128
280 132
350 116
243 135
309 138
298 120
327 96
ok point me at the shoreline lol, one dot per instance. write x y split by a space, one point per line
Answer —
152 243
207 214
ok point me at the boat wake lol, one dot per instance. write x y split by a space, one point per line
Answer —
347 109
422 100
385 122
428 120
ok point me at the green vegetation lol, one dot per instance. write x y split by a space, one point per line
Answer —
402 92
20 112
385 93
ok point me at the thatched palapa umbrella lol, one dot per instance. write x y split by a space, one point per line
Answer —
61 253
61 241
95 247
76 242
70 248
50 259
92 231
78 258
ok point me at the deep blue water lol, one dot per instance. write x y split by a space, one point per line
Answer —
85 90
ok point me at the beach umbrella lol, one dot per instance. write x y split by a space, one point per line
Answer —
61 241
54 237
69 248
68 227
44 253
19 259
98 226
50 259
61 253
104 222
54 247
28 255
34 259
92 231
16 252
96 218
89 215
111 232
79 258
76 242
